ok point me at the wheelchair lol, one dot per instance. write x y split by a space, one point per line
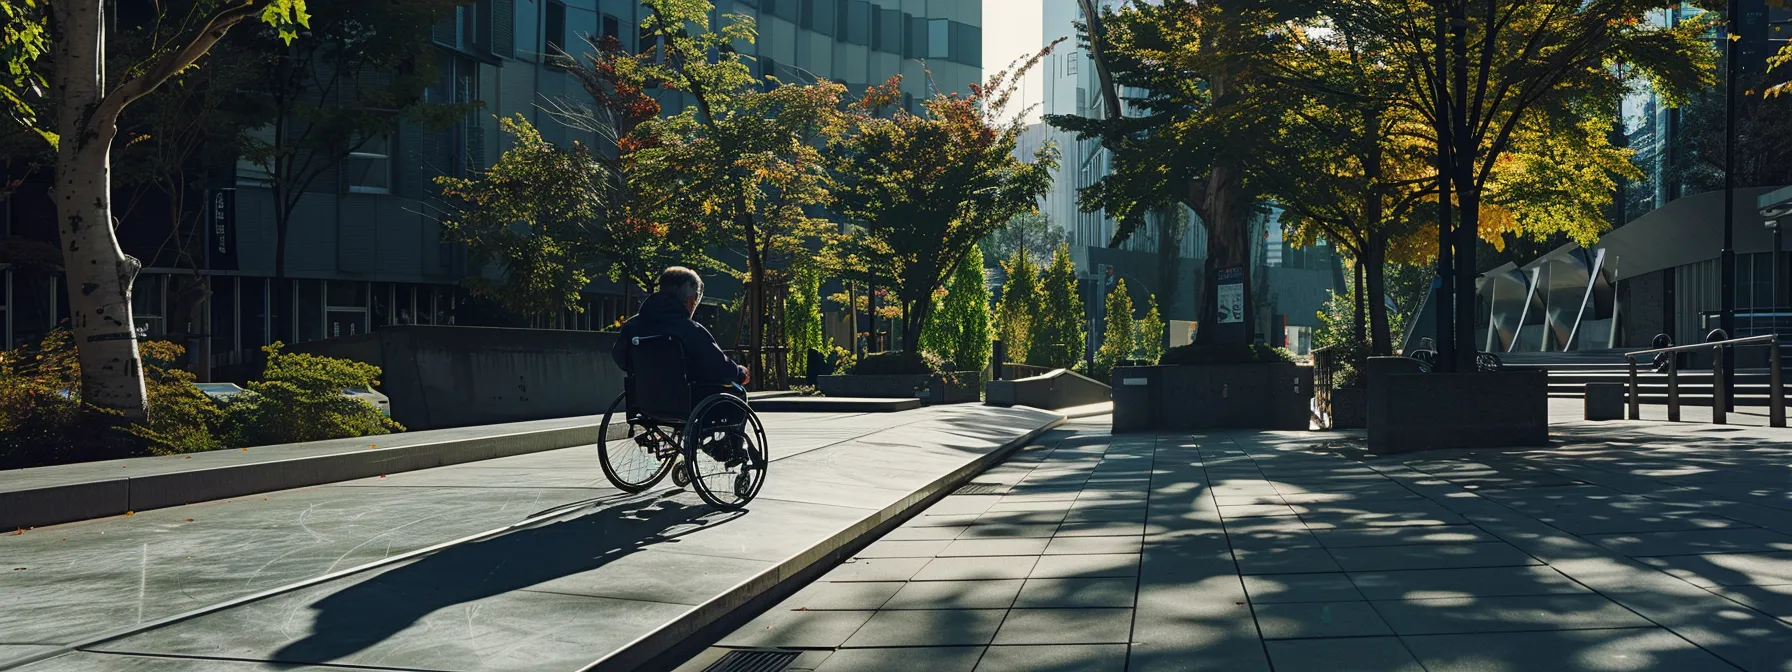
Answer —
714 444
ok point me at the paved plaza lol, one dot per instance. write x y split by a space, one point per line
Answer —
1625 546
525 563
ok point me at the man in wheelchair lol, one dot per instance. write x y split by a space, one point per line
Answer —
668 312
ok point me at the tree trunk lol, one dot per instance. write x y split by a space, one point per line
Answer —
1468 196
1228 246
1375 276
1359 313
99 274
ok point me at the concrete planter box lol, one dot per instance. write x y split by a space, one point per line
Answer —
945 388
1439 411
1230 396
1350 408
1059 389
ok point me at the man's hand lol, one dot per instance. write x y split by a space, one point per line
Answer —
746 375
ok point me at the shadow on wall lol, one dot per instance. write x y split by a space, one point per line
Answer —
443 376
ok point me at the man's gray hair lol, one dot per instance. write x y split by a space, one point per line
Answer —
682 282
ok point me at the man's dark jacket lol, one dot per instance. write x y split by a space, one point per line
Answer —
664 315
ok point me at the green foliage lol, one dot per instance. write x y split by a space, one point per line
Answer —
1118 339
802 319
24 38
545 216
181 419
1197 354
928 187
1017 312
1152 333
1058 332
898 362
300 398
42 420
1029 232
959 328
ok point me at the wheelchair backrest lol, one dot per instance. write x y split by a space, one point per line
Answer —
658 377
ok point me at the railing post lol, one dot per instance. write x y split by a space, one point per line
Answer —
1717 386
1776 415
1673 387
1636 411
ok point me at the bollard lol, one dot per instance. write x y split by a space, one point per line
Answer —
1674 387
998 351
1636 411
1776 395
1717 386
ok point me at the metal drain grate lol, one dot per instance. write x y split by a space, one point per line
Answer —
753 661
981 489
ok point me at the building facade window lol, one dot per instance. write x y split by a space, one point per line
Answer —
612 27
368 167
553 29
939 38
346 311
149 304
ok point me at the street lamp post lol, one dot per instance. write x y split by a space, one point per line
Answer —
1727 283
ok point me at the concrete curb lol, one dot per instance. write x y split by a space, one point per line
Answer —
38 507
692 632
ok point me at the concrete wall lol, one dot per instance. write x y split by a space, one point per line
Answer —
442 377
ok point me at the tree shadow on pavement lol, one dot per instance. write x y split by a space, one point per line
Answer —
363 614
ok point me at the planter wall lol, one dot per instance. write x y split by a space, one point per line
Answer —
946 388
1230 396
1350 408
1059 389
1437 411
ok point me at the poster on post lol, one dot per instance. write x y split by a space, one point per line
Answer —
1231 295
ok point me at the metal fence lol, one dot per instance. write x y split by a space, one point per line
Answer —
1720 401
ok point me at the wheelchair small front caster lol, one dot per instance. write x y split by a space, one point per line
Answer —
681 474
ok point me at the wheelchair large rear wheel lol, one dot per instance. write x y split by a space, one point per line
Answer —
725 452
640 455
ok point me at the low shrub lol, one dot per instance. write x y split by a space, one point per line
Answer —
300 398
899 362
1200 354
181 419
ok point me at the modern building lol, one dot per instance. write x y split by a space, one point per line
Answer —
1659 272
365 248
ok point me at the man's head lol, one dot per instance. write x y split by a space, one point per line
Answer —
683 283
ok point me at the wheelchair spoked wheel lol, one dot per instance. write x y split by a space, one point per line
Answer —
725 452
640 457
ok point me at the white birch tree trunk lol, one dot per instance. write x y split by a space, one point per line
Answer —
98 272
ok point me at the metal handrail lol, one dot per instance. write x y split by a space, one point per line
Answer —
1776 397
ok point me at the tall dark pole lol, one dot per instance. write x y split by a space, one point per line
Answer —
1728 282
1467 194
1445 284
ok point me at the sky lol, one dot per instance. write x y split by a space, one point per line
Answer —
1011 30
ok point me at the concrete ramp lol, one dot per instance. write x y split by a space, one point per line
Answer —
1061 388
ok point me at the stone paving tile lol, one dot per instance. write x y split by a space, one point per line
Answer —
1088 566
1003 546
905 659
1430 556
1277 588
1734 540
1303 620
1727 569
1048 658
1003 530
933 627
1473 582
1075 545
1080 592
1066 626
1299 560
1775 601
1354 654
798 629
985 594
1630 650
907 533
978 567
1456 615
904 549
882 569
1100 528
846 596
1255 511
1402 536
